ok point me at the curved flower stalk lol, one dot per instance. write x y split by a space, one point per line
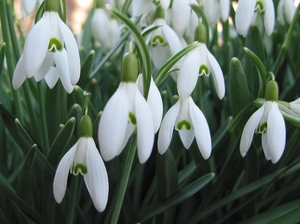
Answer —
125 112
50 52
28 6
269 122
285 11
164 43
83 158
190 122
196 63
104 28
246 13
216 9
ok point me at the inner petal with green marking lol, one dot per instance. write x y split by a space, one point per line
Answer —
259 7
184 123
158 40
262 128
132 118
79 168
204 70
55 45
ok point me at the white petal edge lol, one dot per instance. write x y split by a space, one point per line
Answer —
244 15
61 174
167 128
96 178
249 129
19 74
269 17
62 66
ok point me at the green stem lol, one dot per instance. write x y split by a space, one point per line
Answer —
124 181
286 42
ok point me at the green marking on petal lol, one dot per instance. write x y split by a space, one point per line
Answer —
185 123
79 168
262 128
158 40
259 7
132 118
54 45
203 70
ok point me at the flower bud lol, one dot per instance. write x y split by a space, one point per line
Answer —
85 127
271 93
201 33
130 68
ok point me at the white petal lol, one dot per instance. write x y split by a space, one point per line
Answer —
280 12
72 52
201 129
188 74
96 178
36 45
145 128
249 130
140 7
100 24
167 127
172 38
45 66
165 3
181 13
27 7
276 133
51 77
269 16
113 124
225 9
265 146
159 54
289 10
19 74
211 10
187 137
217 75
61 174
244 15
62 66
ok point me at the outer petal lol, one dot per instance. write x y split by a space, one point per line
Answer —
61 174
145 128
100 24
140 7
181 13
72 52
225 9
96 179
45 66
36 45
172 38
276 133
217 75
165 3
269 18
211 10
51 77
244 15
167 127
27 7
249 130
201 129
159 54
63 71
289 10
113 124
265 146
188 74
19 74
280 12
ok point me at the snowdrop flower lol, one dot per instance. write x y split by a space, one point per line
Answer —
196 63
246 14
126 111
188 119
140 7
83 158
165 3
164 43
269 122
214 9
104 28
285 11
154 101
294 106
50 52
28 6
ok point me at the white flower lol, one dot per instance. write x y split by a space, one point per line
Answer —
164 43
50 52
140 7
154 101
83 158
188 119
126 111
197 62
268 121
246 14
28 6
165 3
214 9
285 11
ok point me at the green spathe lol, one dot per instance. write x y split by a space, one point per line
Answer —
52 5
201 33
130 68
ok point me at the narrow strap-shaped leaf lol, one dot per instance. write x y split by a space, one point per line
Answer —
24 134
86 68
176 198
2 55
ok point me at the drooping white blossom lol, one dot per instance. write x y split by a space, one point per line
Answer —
285 11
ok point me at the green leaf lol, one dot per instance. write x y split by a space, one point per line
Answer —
24 180
61 140
238 87
175 198
86 68
24 134
162 73
2 55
